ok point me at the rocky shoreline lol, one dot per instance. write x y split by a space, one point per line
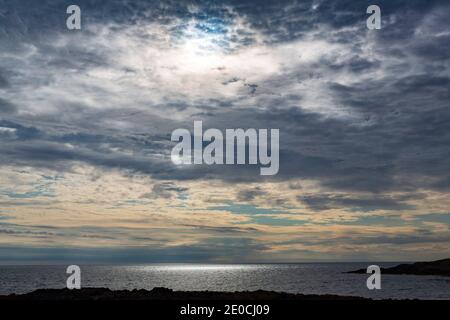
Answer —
165 294
431 268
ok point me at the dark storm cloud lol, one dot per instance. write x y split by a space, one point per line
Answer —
228 230
358 239
60 157
250 194
3 82
356 65
405 239
165 190
371 203
6 107
22 132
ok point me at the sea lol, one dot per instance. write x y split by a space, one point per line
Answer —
306 278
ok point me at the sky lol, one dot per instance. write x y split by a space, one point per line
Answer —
86 118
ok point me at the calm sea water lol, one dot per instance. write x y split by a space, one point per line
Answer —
313 278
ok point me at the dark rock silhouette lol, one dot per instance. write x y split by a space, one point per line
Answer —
164 294
434 268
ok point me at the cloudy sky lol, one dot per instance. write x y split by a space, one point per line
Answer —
86 118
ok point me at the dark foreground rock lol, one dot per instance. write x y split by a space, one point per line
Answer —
434 268
164 294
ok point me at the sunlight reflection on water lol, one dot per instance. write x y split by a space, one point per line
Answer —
306 278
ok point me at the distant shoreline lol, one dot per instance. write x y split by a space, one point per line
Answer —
431 268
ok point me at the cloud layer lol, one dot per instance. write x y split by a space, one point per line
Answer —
86 118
